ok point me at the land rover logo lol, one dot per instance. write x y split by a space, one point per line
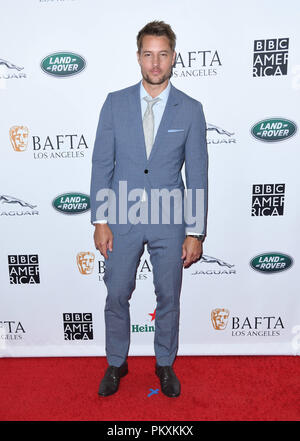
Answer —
271 262
274 129
63 64
72 203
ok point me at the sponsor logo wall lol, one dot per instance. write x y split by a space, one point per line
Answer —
241 297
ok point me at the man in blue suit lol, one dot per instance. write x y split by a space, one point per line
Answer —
145 134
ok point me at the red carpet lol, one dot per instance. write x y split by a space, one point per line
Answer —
213 389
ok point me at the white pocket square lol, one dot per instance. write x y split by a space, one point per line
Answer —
175 130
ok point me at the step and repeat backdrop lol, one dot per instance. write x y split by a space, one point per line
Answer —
58 61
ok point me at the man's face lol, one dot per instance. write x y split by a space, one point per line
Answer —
156 59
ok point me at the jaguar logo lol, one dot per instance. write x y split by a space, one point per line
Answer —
9 65
5 199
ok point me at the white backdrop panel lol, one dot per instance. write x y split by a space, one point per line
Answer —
60 312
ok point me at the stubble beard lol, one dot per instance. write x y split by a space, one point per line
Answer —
157 81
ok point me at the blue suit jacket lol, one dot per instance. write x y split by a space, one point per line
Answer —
120 155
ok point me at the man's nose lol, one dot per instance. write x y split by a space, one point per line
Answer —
155 61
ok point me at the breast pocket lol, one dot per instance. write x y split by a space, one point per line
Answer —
175 138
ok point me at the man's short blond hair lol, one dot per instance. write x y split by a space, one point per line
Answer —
156 28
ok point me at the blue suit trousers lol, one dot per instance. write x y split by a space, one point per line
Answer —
120 280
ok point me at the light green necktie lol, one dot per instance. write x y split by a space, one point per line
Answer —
148 123
148 126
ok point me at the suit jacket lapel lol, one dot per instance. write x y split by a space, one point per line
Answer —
166 120
137 122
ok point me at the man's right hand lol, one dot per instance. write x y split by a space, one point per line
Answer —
103 239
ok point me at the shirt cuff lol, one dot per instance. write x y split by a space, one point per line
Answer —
103 221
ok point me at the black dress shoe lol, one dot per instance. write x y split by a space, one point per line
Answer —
111 380
169 383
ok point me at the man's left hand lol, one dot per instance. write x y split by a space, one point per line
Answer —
191 251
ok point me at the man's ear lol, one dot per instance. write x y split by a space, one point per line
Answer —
174 58
138 57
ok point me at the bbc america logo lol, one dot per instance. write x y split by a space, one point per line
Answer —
78 326
270 57
23 269
268 199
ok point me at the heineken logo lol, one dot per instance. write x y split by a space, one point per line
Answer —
274 129
72 203
63 64
144 328
271 262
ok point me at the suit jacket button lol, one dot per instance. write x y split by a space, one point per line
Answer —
146 171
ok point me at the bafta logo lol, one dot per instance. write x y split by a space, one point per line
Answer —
219 318
85 262
19 138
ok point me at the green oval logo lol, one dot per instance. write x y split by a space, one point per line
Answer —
271 262
274 129
72 203
63 64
